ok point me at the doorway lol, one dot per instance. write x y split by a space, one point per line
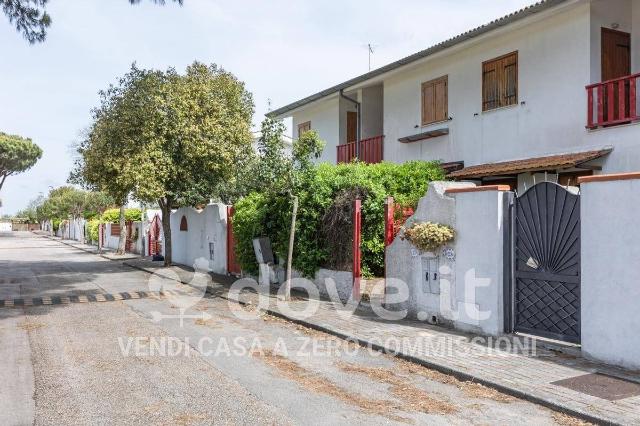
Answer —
616 63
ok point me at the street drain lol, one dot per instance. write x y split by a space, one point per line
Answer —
601 386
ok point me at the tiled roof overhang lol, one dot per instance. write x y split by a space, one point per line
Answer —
552 162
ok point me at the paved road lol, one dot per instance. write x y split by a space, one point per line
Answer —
114 363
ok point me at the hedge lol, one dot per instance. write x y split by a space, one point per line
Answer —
263 214
113 215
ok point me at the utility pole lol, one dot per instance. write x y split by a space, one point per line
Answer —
370 53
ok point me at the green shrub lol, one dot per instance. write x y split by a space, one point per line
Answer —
93 227
55 223
264 214
113 215
428 236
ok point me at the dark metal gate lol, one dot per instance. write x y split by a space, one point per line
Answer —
546 275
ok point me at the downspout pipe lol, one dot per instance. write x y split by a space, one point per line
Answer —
359 121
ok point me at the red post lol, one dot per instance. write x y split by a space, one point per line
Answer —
611 102
622 108
600 105
232 264
590 108
357 273
632 98
388 221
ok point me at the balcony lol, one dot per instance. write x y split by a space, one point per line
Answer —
370 151
612 102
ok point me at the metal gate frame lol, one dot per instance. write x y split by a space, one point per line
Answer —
510 282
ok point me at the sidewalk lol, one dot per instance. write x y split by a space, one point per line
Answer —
107 253
528 374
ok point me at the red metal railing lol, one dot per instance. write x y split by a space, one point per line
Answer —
370 151
612 102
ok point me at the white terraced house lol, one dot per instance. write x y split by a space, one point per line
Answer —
546 93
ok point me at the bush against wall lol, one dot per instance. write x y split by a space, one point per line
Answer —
318 190
93 227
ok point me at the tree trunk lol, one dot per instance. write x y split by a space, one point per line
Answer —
292 234
165 207
122 242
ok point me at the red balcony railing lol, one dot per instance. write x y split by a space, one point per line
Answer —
370 151
612 102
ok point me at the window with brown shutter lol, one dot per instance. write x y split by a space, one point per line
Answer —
303 127
435 100
500 82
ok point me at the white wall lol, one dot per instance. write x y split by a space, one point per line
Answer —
205 227
481 227
324 117
478 220
553 58
610 271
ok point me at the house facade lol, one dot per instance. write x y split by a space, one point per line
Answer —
546 93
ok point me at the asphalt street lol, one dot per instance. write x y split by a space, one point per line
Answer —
149 361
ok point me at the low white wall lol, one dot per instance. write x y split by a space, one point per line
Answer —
206 237
610 262
343 281
476 256
137 246
109 240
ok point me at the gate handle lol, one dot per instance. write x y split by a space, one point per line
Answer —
435 276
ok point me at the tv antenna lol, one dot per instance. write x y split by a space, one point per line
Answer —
370 50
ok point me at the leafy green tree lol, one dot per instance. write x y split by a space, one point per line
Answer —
17 155
168 138
276 171
109 156
32 20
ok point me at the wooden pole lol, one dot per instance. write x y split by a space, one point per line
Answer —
287 293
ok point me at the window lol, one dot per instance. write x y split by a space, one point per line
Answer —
435 101
500 82
303 127
183 224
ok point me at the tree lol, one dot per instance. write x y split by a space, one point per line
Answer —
32 20
197 126
169 138
17 155
108 155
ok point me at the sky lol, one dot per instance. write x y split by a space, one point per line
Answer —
282 50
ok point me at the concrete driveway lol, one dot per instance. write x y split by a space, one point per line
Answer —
136 362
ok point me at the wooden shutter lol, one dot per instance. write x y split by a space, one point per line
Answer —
500 82
303 127
435 101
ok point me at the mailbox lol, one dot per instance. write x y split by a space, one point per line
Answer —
263 251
